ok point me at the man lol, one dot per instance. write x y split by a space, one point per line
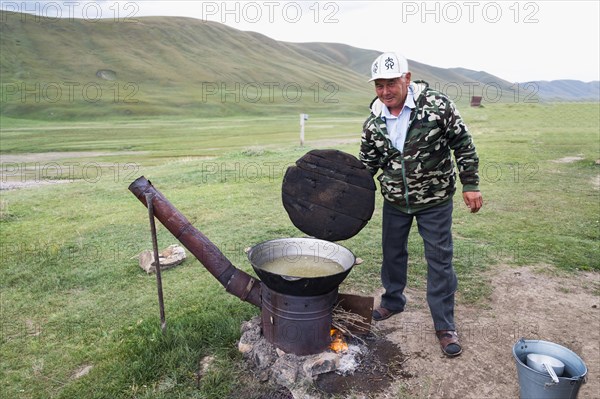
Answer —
410 135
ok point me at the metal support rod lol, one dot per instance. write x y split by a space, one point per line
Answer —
235 281
161 304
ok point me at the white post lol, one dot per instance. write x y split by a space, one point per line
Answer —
303 117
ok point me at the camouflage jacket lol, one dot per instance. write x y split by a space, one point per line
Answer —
423 175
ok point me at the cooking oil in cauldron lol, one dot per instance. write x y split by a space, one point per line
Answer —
303 266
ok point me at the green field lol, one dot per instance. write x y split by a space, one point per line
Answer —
72 294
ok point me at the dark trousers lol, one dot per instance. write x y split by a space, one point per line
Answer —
435 228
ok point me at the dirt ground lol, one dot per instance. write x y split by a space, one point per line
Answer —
533 302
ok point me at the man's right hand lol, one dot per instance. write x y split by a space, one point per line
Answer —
473 200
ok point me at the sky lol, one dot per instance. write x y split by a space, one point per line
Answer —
518 41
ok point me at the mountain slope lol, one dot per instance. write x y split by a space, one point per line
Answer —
183 66
572 90
162 65
152 49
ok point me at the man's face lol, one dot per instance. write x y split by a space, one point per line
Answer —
392 92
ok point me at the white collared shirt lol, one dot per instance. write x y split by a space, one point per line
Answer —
398 125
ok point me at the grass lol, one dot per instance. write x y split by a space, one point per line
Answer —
72 294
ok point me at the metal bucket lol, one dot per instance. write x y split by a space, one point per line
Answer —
534 384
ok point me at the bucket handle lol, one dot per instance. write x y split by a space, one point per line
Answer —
553 376
550 371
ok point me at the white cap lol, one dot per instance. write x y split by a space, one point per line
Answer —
388 66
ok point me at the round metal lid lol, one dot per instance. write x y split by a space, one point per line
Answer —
329 194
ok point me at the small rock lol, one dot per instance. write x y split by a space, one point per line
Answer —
106 74
83 370
285 370
264 375
205 365
251 325
250 335
263 355
170 257
321 363
244 348
279 352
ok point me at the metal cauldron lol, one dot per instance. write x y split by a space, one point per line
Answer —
292 249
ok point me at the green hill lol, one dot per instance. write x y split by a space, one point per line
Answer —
70 68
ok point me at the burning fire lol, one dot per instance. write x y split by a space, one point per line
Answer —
338 343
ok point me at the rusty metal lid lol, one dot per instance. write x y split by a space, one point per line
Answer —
329 194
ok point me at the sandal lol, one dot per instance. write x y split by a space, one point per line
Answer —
382 313
449 342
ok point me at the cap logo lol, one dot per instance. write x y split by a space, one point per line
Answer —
389 63
375 67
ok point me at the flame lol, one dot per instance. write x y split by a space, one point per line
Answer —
338 343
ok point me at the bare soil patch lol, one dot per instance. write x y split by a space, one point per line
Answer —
568 159
60 155
533 302
29 170
13 185
82 371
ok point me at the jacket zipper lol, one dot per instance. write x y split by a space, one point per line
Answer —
401 162
408 210
405 184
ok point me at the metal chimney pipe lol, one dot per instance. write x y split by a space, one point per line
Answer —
235 281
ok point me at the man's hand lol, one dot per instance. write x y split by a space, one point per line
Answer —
473 200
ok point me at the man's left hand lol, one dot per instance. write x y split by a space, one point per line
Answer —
473 200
